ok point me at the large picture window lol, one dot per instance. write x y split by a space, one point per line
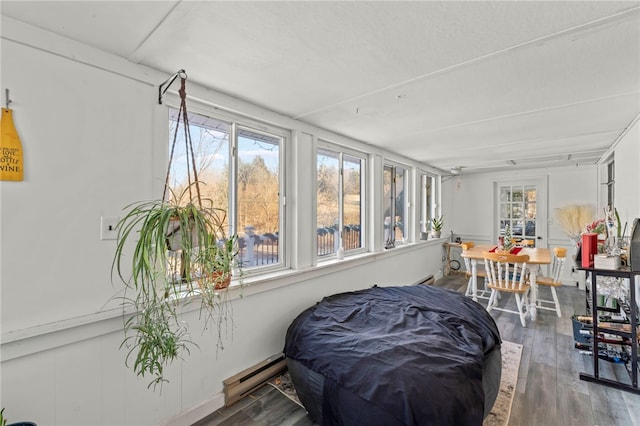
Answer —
240 168
339 202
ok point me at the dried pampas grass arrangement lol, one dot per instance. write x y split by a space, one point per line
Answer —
574 218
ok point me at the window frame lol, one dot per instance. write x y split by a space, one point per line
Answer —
611 183
297 256
342 151
426 213
391 241
237 122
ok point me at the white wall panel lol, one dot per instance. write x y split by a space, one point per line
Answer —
627 185
87 130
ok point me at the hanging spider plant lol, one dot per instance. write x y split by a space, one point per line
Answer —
164 229
175 242
168 257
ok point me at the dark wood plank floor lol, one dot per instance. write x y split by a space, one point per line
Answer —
549 391
265 407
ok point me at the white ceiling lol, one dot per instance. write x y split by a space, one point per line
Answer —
483 85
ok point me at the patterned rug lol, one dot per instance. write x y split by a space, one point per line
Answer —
499 415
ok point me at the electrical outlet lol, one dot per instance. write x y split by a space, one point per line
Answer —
108 227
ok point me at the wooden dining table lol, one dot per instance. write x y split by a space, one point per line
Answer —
537 256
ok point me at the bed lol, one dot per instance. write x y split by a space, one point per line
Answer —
409 355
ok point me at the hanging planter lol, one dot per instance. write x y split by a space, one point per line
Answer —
178 241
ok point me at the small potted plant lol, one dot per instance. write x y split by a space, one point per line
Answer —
436 227
216 263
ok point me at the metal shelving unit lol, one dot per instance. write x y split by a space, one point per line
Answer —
631 311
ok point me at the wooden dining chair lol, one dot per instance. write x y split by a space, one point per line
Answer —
481 292
507 273
553 281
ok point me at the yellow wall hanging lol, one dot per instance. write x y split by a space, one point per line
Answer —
11 161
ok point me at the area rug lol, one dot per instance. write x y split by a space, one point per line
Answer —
499 415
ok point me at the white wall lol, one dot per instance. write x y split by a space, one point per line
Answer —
470 202
473 193
86 120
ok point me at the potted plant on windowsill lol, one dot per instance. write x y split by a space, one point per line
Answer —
436 227
216 263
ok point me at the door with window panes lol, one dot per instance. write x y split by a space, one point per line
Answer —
521 207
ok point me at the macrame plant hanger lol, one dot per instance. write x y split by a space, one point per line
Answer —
192 184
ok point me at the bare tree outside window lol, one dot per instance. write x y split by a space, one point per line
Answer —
254 186
339 202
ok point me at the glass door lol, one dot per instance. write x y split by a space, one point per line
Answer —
518 209
522 206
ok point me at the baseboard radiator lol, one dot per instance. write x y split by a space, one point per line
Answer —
246 381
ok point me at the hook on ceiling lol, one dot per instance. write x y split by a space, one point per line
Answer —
181 73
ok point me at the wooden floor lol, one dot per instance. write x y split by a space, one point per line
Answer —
549 391
265 407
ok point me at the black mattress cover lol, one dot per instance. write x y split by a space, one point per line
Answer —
415 352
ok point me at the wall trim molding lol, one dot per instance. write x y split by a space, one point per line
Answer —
31 340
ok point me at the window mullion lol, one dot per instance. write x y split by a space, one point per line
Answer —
233 181
341 201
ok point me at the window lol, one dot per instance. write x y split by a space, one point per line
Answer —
339 202
394 204
241 171
518 208
427 201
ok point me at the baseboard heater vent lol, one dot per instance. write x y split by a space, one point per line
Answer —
246 381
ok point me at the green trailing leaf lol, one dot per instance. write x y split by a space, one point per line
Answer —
174 243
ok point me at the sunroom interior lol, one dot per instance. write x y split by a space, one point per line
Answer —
369 117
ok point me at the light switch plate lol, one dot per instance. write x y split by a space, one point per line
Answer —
108 227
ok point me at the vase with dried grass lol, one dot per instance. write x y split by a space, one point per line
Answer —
574 219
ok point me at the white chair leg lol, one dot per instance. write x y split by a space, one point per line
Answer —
555 300
468 292
520 302
492 300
